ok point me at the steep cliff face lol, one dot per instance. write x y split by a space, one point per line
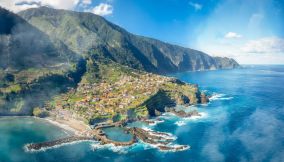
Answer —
172 94
33 68
84 31
23 46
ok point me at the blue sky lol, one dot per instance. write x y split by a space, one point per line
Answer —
251 31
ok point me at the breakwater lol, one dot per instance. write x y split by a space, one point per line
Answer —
42 145
160 140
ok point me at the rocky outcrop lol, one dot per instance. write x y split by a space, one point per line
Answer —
182 113
180 94
203 98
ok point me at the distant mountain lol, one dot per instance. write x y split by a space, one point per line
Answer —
23 46
82 32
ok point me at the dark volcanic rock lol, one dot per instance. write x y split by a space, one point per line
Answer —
203 98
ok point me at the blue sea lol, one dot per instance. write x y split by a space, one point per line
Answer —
244 121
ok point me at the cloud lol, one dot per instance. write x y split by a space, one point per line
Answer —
271 45
232 35
103 9
19 5
260 135
196 6
86 2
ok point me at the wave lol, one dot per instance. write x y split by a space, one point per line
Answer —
167 116
180 123
173 117
156 146
184 121
219 96
271 72
202 116
155 122
164 135
111 147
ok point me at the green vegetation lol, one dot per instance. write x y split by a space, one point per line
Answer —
38 112
119 92
11 89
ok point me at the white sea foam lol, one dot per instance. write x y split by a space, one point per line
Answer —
156 146
180 123
118 149
167 136
146 128
202 116
184 121
156 122
216 96
219 96
168 116
226 98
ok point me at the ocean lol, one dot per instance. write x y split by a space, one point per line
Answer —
244 121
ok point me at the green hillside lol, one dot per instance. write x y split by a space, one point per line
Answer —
84 31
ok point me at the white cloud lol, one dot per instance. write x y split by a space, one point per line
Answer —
86 2
196 6
232 35
271 45
19 5
103 9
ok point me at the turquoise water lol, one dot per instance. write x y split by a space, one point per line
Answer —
243 122
117 134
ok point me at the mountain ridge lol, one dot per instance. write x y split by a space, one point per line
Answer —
87 31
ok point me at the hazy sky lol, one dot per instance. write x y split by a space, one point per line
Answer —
251 31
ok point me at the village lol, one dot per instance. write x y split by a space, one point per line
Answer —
106 99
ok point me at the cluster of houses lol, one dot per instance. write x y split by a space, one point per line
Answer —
108 98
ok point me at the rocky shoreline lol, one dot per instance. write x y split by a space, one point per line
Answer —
184 114
160 140
83 132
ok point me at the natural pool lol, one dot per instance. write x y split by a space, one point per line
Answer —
117 134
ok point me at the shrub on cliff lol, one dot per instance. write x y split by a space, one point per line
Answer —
38 112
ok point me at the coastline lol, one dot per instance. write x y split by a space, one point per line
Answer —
79 131
60 125
78 128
